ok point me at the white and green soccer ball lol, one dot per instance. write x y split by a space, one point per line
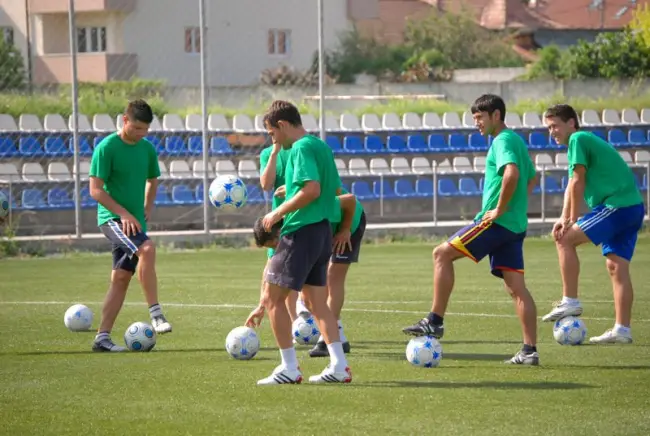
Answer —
569 330
228 193
242 343
78 318
140 336
424 351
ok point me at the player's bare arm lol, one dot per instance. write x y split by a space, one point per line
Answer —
130 225
508 187
267 178
532 182
308 193
576 191
341 239
150 196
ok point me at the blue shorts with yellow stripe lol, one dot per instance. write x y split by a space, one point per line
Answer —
504 247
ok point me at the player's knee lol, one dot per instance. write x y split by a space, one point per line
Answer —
272 296
615 266
442 253
147 250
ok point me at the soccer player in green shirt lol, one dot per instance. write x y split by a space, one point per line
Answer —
302 256
498 231
599 176
123 180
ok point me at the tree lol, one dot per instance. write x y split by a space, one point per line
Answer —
640 23
12 69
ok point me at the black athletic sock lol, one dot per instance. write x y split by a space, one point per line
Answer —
434 319
529 349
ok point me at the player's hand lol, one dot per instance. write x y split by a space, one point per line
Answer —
255 318
560 228
130 225
492 215
270 219
276 147
341 241
147 212
281 192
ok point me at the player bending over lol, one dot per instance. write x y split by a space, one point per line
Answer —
123 179
498 231
348 227
302 255
598 174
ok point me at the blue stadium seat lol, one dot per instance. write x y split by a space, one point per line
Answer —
195 145
417 144
12 200
220 146
467 187
157 144
55 146
58 198
437 143
637 137
373 144
181 194
395 144
362 191
645 182
30 146
255 194
458 142
7 147
424 187
387 186
33 199
477 141
162 196
481 184
538 140
565 182
198 193
404 188
447 188
551 185
84 147
353 145
335 143
175 146
98 139
553 144
86 199
601 134
617 138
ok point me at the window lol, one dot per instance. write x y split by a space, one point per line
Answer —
91 39
192 40
279 42
7 35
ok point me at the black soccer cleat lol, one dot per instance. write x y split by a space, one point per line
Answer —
425 328
320 349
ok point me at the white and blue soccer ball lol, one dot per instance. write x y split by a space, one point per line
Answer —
569 330
228 193
424 351
4 205
140 336
305 331
78 318
242 343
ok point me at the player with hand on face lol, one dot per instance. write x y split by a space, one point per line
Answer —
599 176
123 180
498 231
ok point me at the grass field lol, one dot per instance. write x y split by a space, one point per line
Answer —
51 383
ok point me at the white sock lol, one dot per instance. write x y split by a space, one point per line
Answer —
620 328
571 301
337 356
300 307
101 336
155 310
289 359
341 333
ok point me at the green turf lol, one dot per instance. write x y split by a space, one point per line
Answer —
50 382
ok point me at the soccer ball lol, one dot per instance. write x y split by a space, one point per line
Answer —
228 193
78 318
140 336
242 343
305 331
4 205
424 351
569 331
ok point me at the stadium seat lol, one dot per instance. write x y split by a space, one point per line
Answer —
197 169
223 167
309 123
7 147
373 144
642 157
55 146
179 169
391 122
562 160
218 123
85 149
431 120
358 167
7 123
461 164
544 162
443 167
198 193
447 188
9 173
468 120
258 122
617 138
58 171
395 144
242 123
421 166
86 200
54 123
370 123
630 116
383 188
30 146
164 173
467 187
437 143
156 142
379 167
645 116
590 118
98 139
637 138
451 120
335 144
33 172
353 145
193 122
362 191
601 134
181 194
58 198
477 141
83 123
411 121
350 123
538 140
29 123
611 117
175 146
404 188
424 187
416 144
400 166
84 169
162 196
195 145
458 142
247 169
479 164
103 123
513 121
255 194
341 167
220 146
33 199
551 185
532 120
627 157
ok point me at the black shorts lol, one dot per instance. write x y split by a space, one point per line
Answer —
302 257
124 247
352 255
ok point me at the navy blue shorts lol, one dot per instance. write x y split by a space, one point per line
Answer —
480 239
614 229
356 239
124 247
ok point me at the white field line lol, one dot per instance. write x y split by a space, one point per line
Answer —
250 307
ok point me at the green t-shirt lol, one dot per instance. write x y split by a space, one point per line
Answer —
610 181
338 215
311 159
508 148
125 169
280 168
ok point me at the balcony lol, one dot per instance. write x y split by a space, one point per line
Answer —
38 7
91 67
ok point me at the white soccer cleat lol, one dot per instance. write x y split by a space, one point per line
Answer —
161 325
282 376
562 310
329 375
612 336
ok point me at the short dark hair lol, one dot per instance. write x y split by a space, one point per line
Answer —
139 110
490 103
564 112
262 236
281 110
